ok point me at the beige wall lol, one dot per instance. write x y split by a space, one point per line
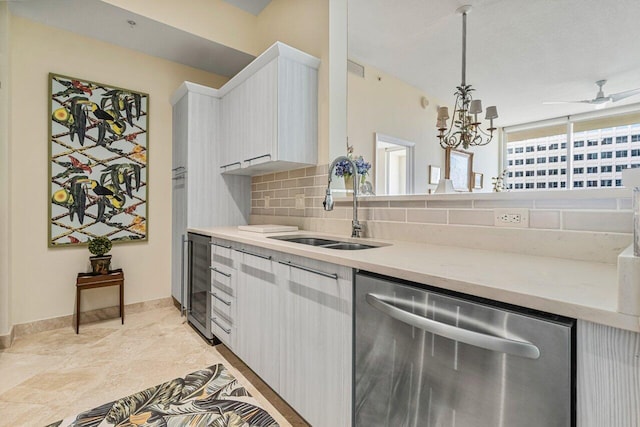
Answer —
43 279
382 103
5 295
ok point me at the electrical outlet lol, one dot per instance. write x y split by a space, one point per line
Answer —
299 201
266 201
511 217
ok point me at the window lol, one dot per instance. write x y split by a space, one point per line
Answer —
519 174
618 183
577 145
553 185
510 174
518 186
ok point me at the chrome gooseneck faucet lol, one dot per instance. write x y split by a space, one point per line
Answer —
356 228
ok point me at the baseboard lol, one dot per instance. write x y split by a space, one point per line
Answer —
85 317
7 340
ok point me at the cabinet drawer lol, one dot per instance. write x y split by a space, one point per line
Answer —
222 280
222 304
222 329
222 254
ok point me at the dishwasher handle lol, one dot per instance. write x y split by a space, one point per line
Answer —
477 339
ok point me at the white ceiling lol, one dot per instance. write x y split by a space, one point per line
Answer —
103 21
519 52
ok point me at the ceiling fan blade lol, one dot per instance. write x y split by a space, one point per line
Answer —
586 101
622 95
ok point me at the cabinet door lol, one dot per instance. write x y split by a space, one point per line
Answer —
233 130
258 312
315 357
260 101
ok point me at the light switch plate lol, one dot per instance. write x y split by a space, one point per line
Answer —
266 201
511 217
299 201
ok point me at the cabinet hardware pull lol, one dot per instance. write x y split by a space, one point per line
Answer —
220 246
175 178
244 251
183 303
477 339
178 168
228 331
230 164
258 157
220 272
310 270
213 294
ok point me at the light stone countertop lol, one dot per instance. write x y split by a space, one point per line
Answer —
578 289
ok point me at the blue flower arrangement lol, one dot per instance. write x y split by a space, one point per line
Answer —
343 167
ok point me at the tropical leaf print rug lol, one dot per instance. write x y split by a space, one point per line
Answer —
211 397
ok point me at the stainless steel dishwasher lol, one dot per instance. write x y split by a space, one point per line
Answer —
428 359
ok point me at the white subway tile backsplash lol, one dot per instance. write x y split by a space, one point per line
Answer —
576 204
484 204
471 217
442 204
297 173
434 216
625 203
544 219
391 214
408 204
605 221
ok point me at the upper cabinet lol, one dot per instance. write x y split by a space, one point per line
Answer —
269 114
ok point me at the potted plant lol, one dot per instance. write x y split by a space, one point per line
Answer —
100 262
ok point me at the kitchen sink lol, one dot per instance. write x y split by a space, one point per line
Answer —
325 243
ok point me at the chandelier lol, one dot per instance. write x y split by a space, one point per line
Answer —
465 128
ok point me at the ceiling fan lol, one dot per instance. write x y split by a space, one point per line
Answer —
600 99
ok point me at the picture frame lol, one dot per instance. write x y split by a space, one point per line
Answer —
478 180
434 174
458 168
98 162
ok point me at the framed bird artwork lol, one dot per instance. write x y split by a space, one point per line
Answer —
98 162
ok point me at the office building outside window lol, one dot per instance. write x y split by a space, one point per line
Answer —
595 153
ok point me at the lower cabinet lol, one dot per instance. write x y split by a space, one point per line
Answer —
293 328
258 314
315 351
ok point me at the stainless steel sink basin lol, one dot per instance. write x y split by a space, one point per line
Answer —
325 243
313 241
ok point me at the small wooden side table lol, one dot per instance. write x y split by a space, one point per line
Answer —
91 281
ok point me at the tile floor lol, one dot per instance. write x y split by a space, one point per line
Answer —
50 375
